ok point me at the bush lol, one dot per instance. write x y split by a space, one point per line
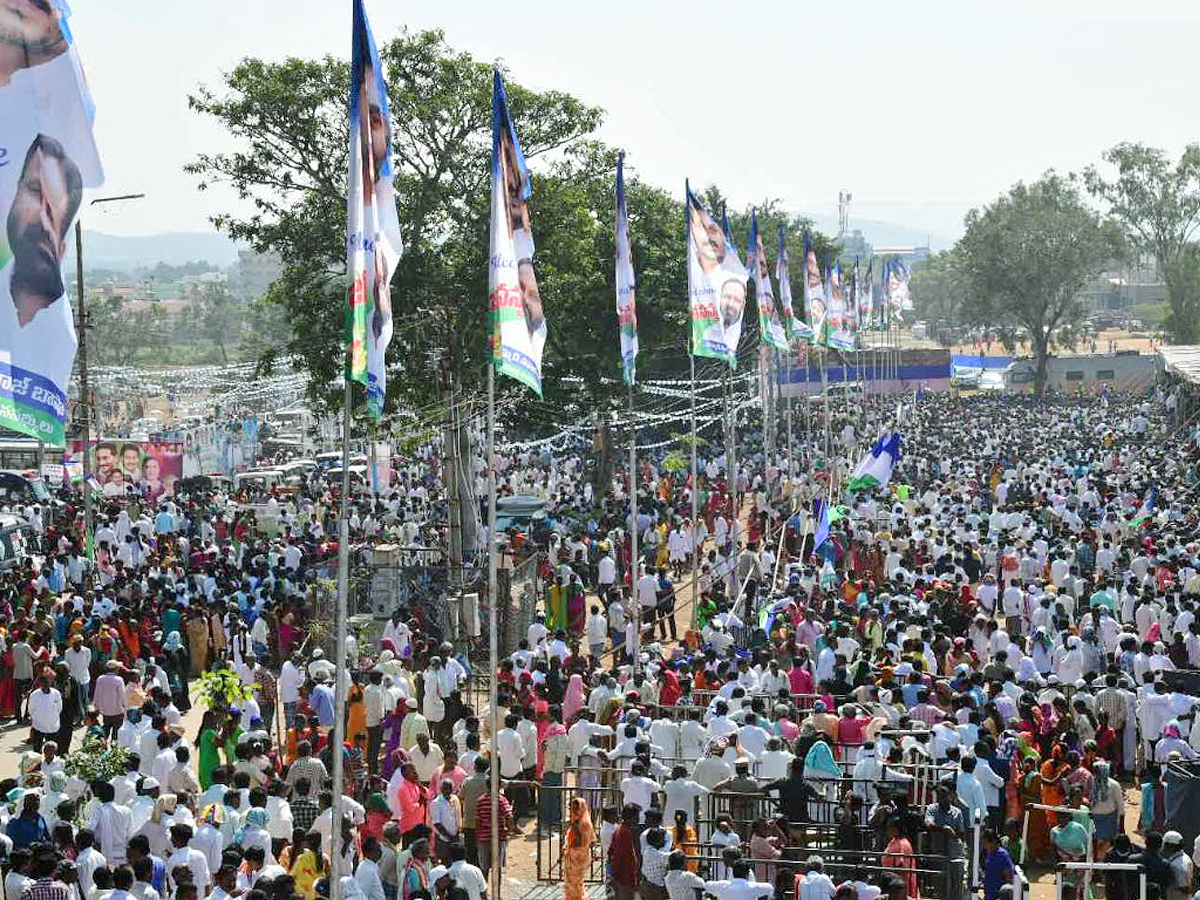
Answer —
96 761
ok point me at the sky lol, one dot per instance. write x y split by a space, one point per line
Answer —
922 109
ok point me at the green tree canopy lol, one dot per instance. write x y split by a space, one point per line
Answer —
1157 203
290 122
1026 256
938 287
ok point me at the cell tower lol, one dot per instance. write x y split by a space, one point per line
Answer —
844 198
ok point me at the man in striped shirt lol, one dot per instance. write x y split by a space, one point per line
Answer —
483 829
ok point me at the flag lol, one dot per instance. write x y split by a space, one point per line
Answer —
716 285
626 285
771 329
518 320
814 293
797 329
865 296
821 514
373 244
837 331
875 469
48 155
1148 508
897 289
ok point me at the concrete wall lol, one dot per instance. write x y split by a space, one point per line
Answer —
1090 373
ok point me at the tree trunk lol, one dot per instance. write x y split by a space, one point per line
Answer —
1040 345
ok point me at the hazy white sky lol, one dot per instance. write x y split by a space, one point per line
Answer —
923 108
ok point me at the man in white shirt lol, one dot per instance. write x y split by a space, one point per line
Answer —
111 823
291 678
193 859
45 712
366 876
466 876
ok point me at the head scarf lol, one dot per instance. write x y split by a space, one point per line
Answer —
574 698
173 642
213 814
580 833
819 762
376 802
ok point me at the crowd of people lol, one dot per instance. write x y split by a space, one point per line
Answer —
982 663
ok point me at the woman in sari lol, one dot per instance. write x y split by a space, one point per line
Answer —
1053 771
574 698
822 774
684 838
898 855
289 634
208 757
175 663
8 687
576 607
1038 846
577 849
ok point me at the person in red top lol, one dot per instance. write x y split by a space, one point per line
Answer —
483 829
624 856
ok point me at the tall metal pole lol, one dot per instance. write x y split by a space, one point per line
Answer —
791 469
695 505
341 675
733 461
633 536
85 395
493 633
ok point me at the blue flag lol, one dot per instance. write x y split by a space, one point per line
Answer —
821 514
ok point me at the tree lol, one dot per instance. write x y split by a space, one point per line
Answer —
119 336
1157 203
1026 257
290 121
938 286
220 319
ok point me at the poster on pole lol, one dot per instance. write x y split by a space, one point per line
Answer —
716 286
518 318
48 155
626 283
797 328
373 243
771 328
838 329
814 293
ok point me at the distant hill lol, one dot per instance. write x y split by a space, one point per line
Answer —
884 234
109 251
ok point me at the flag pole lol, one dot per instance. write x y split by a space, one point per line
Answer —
695 505
633 534
493 638
341 675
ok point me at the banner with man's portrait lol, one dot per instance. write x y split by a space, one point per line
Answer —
373 242
814 293
122 468
771 329
47 157
840 334
898 298
797 328
626 283
518 320
716 286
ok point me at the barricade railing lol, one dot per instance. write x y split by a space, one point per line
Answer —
1088 868
932 871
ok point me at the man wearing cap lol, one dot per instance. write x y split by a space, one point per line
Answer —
1180 885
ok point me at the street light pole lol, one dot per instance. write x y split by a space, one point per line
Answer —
85 397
